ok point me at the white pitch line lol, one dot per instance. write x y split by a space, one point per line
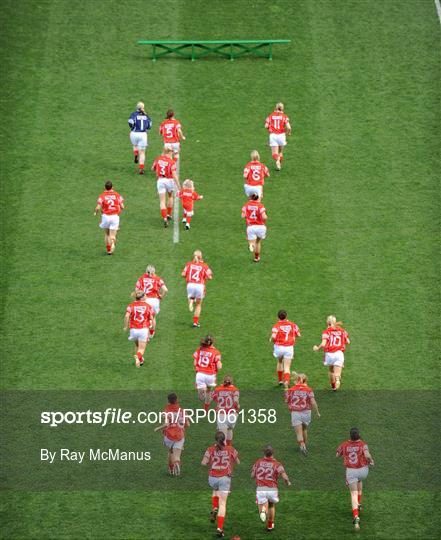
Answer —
438 9
176 210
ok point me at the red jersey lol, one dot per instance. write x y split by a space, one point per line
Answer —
286 333
255 173
151 285
299 397
253 212
140 314
226 398
110 202
188 197
197 272
266 472
169 130
164 167
276 122
175 428
206 359
353 453
336 339
221 462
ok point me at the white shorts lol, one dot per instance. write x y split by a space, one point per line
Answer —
174 146
188 213
139 139
110 222
252 190
356 475
226 420
265 495
154 303
179 445
220 483
300 417
256 231
205 380
165 185
284 351
141 334
277 139
195 290
336 358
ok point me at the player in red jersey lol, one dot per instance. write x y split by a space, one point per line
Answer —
110 204
207 362
255 174
255 216
138 318
171 131
300 399
283 335
188 195
277 123
174 433
221 460
167 179
154 288
334 341
196 273
266 471
357 459
226 396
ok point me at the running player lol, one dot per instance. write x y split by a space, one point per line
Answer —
283 335
266 471
138 318
277 123
188 195
356 458
171 132
221 460
110 204
207 362
139 123
334 341
300 399
174 433
255 216
167 179
255 174
196 273
154 288
226 397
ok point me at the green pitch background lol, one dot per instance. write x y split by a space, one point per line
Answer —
353 229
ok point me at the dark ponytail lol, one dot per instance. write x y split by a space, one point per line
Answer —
220 439
354 433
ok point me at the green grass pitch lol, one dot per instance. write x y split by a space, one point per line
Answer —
353 230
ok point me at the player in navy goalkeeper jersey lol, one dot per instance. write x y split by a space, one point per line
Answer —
139 123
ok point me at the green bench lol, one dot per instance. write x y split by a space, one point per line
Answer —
228 49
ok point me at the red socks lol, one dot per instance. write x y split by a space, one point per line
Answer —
140 357
152 332
215 501
188 219
135 152
355 512
270 523
164 214
286 377
280 376
220 522
196 320
206 406
169 210
275 156
333 385
108 247
141 166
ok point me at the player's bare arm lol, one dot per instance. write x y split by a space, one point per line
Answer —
321 346
97 210
288 128
286 479
314 404
126 321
